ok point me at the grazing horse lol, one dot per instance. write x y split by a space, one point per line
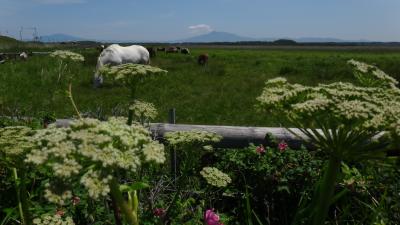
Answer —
116 55
172 50
185 51
23 56
202 59
152 51
161 49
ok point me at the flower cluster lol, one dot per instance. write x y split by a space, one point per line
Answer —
371 75
95 184
67 55
343 112
193 137
215 177
128 72
93 150
59 199
154 152
143 110
53 220
371 108
15 140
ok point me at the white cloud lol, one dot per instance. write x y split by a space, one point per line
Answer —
200 28
60 1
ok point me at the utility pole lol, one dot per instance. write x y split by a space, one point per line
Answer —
20 33
35 33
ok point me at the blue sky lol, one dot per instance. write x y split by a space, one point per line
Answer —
163 20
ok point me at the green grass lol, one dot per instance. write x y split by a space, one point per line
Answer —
222 93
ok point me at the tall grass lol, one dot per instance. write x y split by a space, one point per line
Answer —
223 92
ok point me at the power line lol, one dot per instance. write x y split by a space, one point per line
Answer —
35 33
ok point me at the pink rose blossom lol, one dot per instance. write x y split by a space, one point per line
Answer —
282 146
260 149
211 218
159 212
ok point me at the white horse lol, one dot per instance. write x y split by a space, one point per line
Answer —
117 55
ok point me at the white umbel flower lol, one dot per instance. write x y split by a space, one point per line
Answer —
215 177
67 55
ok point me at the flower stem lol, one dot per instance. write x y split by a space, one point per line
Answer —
72 101
130 117
117 215
326 191
20 189
126 209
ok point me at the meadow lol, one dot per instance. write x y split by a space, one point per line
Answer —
110 171
222 93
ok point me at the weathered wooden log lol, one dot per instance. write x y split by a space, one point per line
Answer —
41 53
233 136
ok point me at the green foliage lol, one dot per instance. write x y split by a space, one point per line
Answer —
370 193
276 180
190 147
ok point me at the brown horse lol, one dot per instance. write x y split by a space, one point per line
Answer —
202 59
172 50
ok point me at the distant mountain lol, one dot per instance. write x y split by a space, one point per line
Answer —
216 36
60 38
325 40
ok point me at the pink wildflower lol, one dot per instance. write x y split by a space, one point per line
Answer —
282 146
211 218
159 212
60 212
260 149
75 200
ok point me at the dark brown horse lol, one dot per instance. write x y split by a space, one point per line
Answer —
202 59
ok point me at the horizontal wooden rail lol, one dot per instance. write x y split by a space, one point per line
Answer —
235 136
